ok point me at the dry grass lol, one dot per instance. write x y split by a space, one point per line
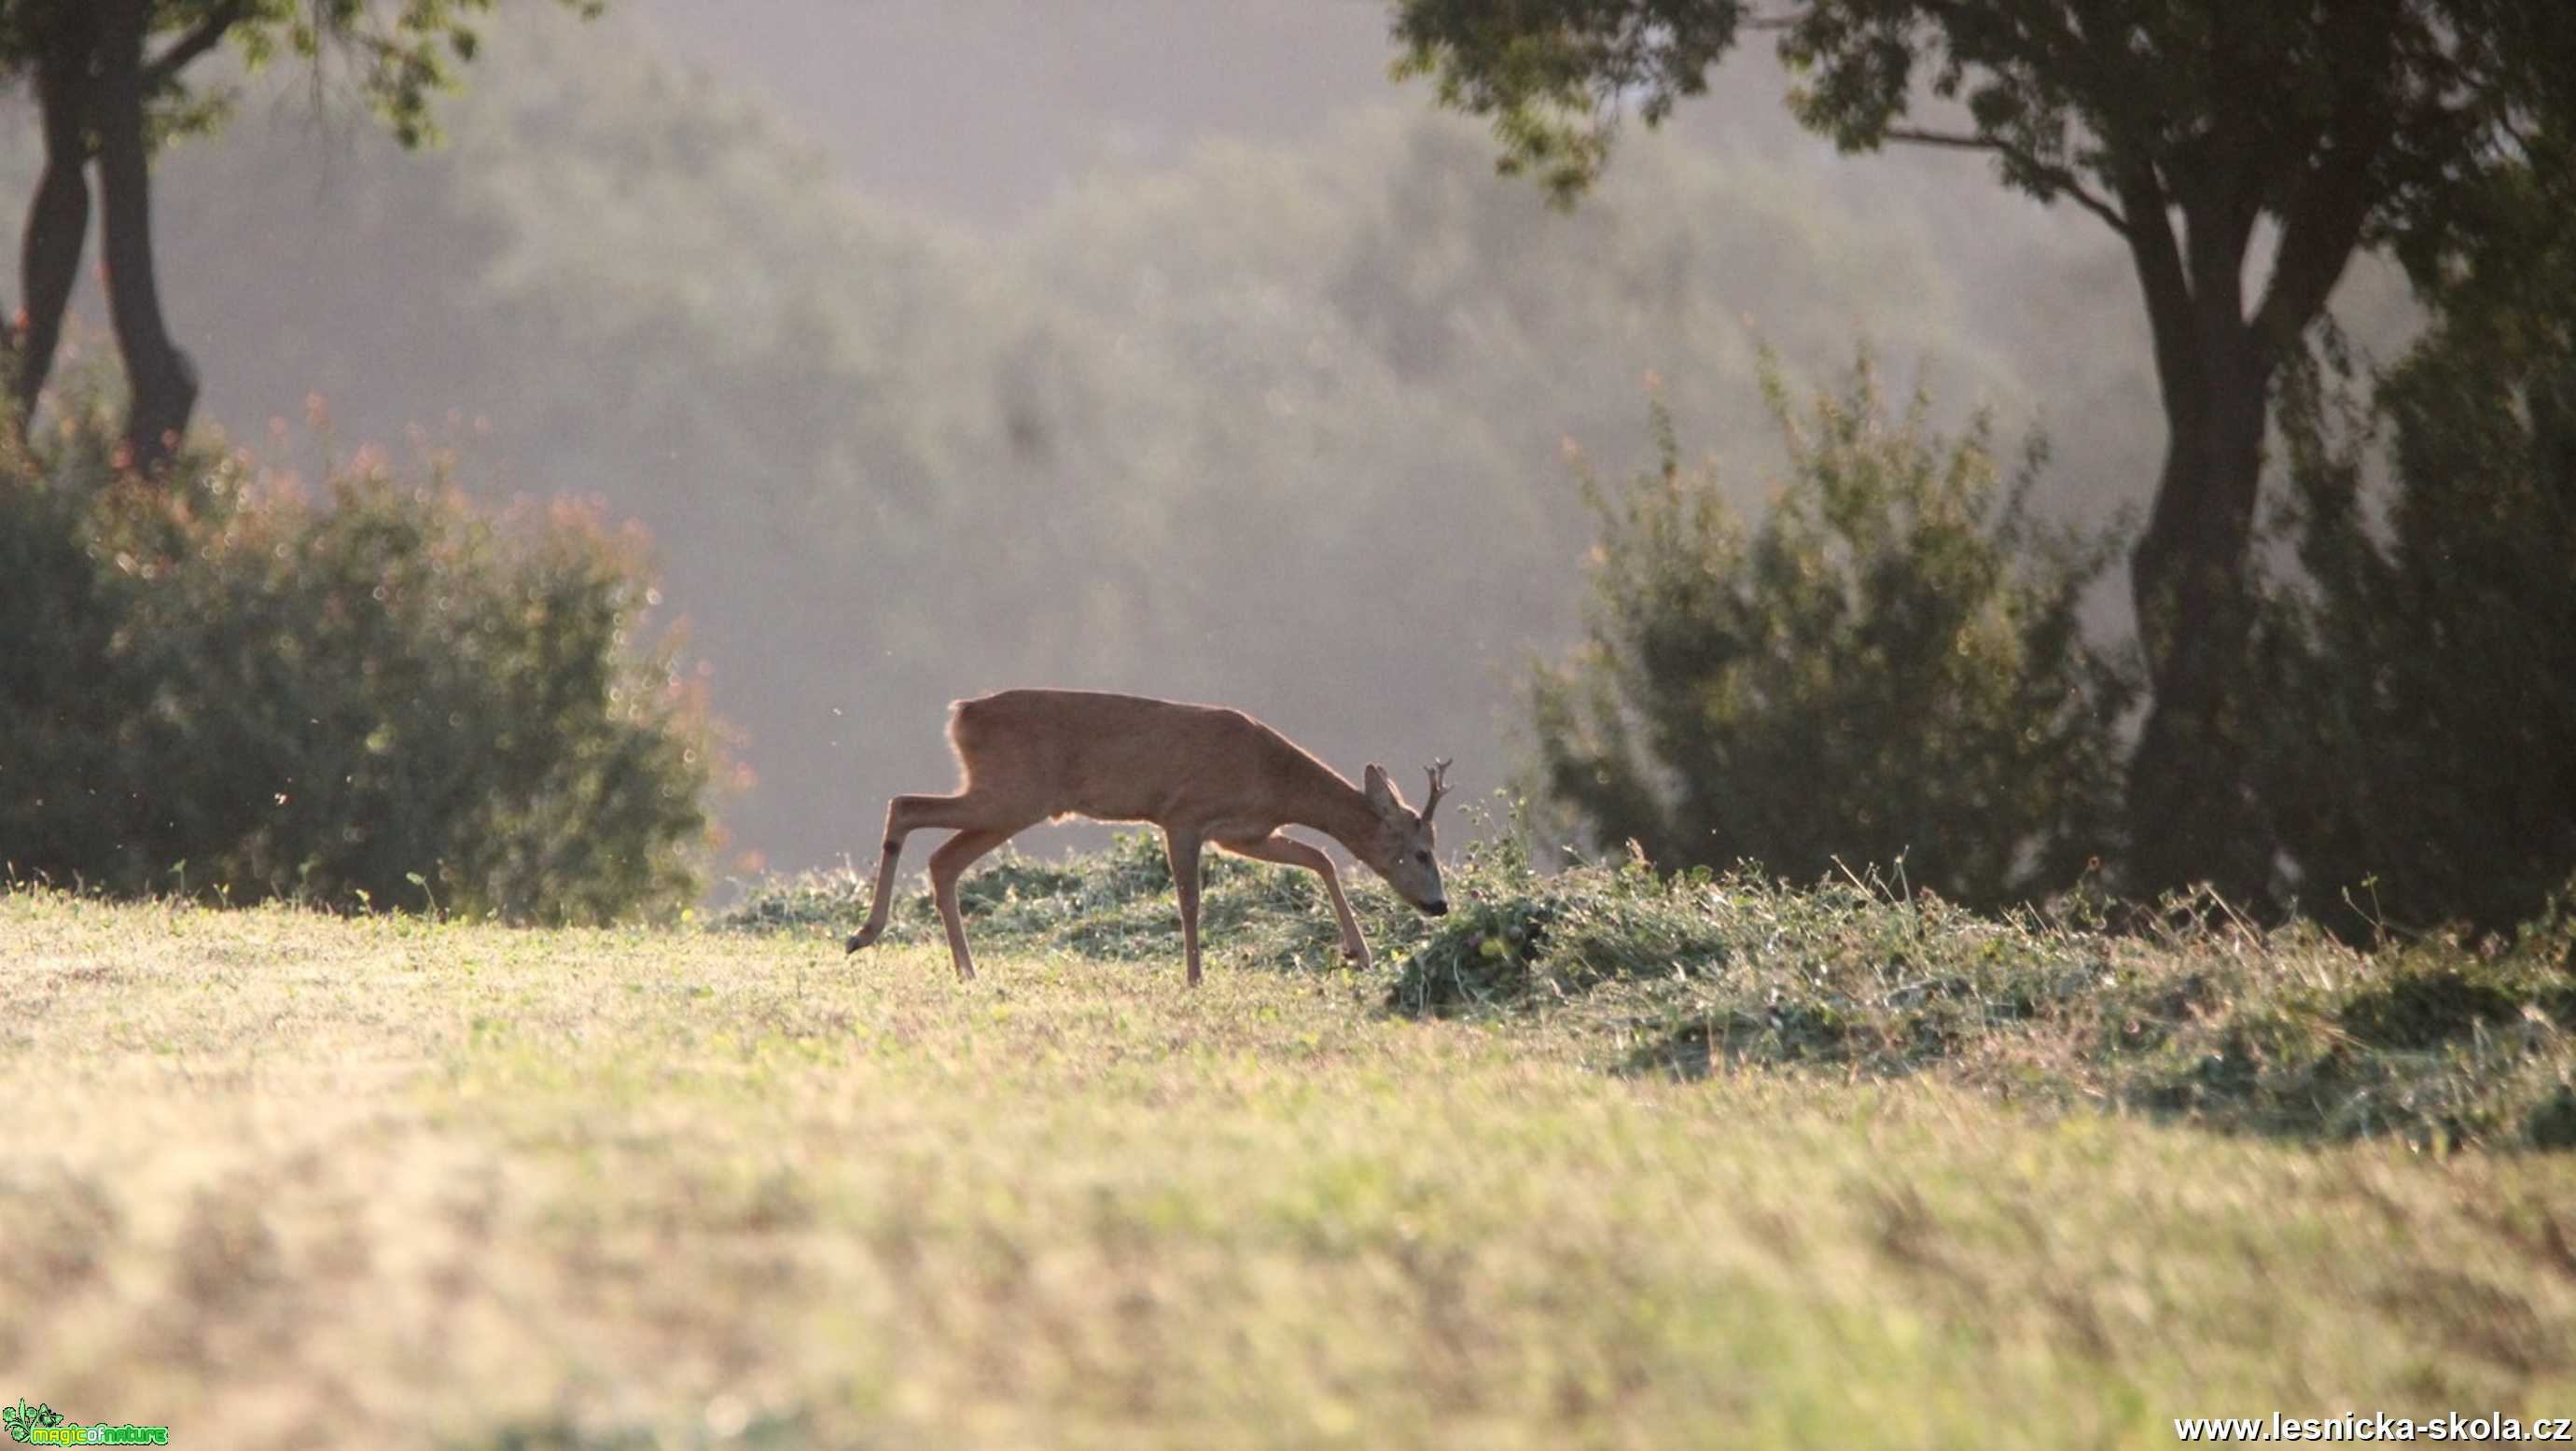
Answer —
446 1186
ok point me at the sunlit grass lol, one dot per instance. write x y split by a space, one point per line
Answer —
387 1181
2193 1014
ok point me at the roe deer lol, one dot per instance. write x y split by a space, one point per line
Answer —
1202 773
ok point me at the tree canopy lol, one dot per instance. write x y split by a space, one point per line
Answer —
2185 128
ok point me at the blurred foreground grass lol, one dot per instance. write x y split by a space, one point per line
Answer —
423 1185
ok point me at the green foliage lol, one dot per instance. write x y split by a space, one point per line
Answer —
2408 104
1554 73
2278 1034
401 55
391 698
1892 668
406 51
2420 768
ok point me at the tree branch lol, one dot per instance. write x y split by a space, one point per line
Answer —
2318 238
2329 204
2320 228
165 67
2056 176
2167 289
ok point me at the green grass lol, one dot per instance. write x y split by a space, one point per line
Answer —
2203 1019
441 1185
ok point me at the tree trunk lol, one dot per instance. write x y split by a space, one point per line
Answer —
160 377
58 214
2190 818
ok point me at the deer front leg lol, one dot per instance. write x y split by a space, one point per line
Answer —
904 816
1289 851
1183 848
946 865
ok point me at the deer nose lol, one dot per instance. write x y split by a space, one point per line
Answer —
1436 909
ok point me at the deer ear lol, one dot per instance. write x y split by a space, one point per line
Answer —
1381 792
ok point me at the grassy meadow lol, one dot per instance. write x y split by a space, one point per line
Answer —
419 1184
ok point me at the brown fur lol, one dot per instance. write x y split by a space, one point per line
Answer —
1202 773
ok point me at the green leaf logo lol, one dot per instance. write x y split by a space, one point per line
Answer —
23 1419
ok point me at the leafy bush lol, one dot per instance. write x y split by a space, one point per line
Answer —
1892 666
2423 767
391 698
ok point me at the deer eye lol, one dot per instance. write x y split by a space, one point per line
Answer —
1422 856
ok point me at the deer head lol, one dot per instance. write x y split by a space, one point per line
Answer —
1404 851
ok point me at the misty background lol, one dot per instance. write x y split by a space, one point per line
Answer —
1147 346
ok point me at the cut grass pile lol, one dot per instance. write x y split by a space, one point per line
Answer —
2206 1018
451 1186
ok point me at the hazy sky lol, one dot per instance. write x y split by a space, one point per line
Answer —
987 108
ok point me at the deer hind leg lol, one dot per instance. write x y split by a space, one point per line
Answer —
905 815
1183 848
954 856
1290 852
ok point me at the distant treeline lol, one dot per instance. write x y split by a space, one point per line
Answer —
1283 427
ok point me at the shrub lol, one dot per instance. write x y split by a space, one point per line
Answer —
1892 666
389 698
2423 766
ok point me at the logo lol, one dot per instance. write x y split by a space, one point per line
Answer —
24 1420
42 1425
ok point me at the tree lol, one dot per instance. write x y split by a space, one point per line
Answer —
2184 128
1892 665
112 84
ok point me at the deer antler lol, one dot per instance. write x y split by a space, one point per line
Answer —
1435 770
